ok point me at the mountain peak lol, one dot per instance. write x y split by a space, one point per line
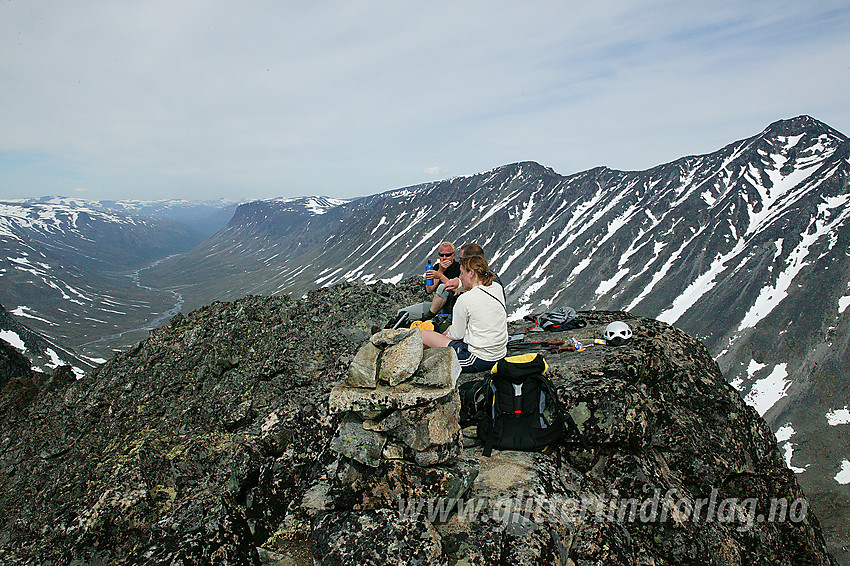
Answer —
799 125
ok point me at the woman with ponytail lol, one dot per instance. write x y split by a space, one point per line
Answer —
479 330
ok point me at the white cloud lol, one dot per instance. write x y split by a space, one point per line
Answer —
347 98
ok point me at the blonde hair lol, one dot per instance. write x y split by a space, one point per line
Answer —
478 265
449 245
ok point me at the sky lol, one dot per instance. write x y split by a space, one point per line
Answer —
259 99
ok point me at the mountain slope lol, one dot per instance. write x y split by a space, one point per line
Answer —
69 270
745 248
44 356
212 442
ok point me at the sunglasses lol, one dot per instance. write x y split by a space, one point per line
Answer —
447 255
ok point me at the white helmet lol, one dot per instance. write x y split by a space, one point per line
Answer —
617 333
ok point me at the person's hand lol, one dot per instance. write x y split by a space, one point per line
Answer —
432 274
452 284
445 262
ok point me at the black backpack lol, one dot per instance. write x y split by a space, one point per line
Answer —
520 406
560 318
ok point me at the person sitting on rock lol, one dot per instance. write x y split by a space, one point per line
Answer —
446 269
479 330
467 250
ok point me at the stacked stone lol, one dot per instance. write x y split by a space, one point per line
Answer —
400 402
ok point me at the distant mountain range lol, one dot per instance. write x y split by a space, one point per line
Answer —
745 248
204 217
69 268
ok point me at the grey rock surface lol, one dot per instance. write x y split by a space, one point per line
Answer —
159 457
401 360
439 368
363 371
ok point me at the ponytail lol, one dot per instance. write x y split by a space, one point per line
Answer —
478 265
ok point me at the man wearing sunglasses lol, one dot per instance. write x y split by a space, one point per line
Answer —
445 269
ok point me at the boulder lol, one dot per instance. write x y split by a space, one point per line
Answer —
355 442
392 336
400 360
363 371
439 368
439 454
422 427
383 398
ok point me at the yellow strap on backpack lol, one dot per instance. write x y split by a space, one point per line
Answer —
521 359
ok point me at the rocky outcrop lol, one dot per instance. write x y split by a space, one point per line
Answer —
399 401
213 442
13 364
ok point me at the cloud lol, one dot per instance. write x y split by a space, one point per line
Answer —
342 98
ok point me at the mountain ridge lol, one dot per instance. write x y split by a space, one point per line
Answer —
135 465
742 248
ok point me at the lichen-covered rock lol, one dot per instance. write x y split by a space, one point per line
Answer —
17 394
399 361
610 411
439 368
212 439
439 454
383 397
399 483
175 409
392 336
12 364
422 427
363 371
353 441
375 537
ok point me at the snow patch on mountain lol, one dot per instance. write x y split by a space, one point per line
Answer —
784 434
26 312
837 417
822 225
13 339
766 392
788 453
701 285
843 477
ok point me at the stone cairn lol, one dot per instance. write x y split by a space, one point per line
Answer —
400 402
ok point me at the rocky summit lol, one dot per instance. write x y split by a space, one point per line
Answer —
229 437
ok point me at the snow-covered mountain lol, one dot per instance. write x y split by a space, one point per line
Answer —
206 217
71 272
745 248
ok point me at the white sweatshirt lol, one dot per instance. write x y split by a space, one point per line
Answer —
479 319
